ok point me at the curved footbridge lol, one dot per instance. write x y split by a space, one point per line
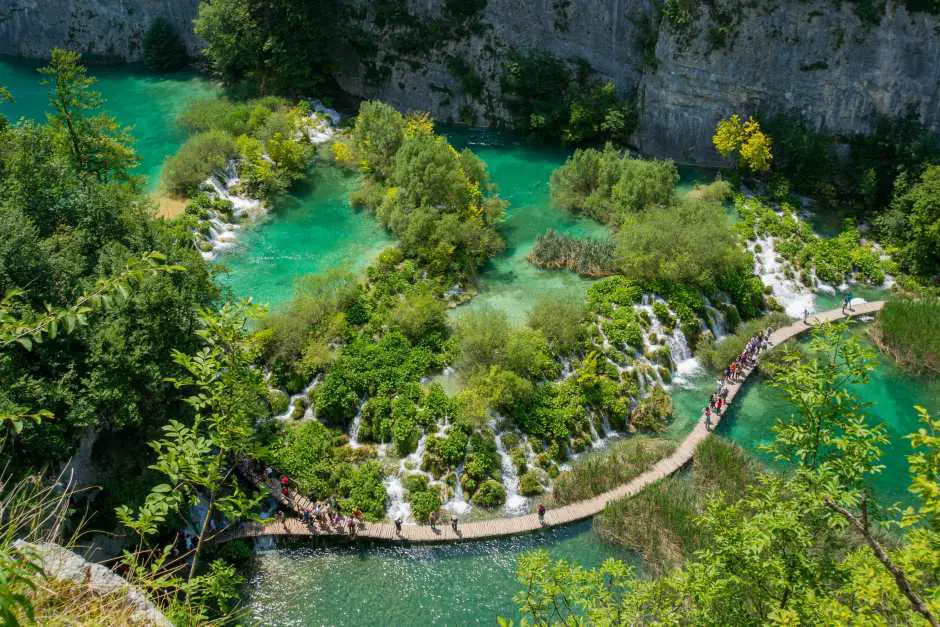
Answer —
522 524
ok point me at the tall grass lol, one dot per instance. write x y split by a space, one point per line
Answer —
588 257
909 330
598 472
716 191
659 523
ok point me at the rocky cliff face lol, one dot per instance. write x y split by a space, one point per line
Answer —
108 29
806 58
812 58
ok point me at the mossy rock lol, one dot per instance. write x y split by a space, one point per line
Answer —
660 356
491 493
529 485
299 410
509 439
665 374
278 401
653 412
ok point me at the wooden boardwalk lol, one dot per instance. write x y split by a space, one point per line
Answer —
553 517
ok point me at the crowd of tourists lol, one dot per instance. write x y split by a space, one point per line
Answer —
736 371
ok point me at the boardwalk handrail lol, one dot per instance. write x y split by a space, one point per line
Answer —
573 512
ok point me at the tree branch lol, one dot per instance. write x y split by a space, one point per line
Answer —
900 579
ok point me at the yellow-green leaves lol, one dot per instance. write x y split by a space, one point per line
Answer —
745 140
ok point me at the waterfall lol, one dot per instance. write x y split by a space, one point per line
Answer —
354 427
396 506
792 295
297 398
597 442
715 321
566 370
516 504
458 504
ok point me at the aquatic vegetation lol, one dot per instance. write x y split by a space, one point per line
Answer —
909 331
587 257
604 470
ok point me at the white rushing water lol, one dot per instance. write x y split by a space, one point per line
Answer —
793 296
516 504
355 426
396 505
458 504
299 398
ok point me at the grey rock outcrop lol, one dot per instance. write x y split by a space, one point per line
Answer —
813 58
109 29
61 564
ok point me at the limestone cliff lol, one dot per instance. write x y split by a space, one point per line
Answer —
107 29
815 58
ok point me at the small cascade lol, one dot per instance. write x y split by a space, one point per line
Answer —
715 321
597 441
355 426
396 505
566 370
414 459
609 431
297 398
516 504
223 234
458 504
792 295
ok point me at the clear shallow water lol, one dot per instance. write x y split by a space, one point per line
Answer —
149 103
458 584
893 394
521 173
315 230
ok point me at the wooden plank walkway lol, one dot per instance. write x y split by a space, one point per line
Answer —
553 517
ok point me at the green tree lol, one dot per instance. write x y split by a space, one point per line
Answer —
913 222
199 459
745 140
164 49
96 142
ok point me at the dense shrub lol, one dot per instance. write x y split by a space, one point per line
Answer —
547 99
490 494
607 184
561 321
424 504
199 158
529 485
164 49
654 412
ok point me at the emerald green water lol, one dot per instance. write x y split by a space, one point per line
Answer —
315 230
456 584
146 102
892 394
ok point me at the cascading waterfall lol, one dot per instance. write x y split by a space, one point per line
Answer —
297 398
355 426
396 505
715 321
458 504
792 295
515 503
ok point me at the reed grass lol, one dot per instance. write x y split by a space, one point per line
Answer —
659 523
588 257
604 470
909 331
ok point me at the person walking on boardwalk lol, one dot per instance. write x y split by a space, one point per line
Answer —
805 316
453 522
708 418
352 527
398 525
541 513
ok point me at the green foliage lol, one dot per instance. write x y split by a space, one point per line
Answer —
96 143
604 470
653 412
744 140
270 47
198 158
424 504
436 200
609 185
485 339
529 485
490 494
561 322
588 257
164 49
908 330
689 243
549 100
604 295
913 222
